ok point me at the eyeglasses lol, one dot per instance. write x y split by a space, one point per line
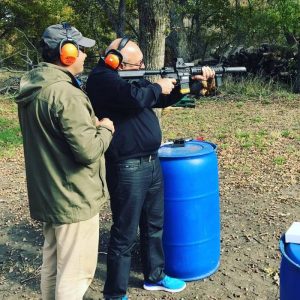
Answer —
82 49
136 65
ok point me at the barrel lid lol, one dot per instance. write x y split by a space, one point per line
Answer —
293 252
189 149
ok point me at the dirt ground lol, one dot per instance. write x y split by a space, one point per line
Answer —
259 166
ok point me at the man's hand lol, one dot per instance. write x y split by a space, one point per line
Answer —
166 84
207 74
105 122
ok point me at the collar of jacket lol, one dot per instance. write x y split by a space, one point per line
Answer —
73 78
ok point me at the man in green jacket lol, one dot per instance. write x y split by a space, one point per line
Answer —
64 145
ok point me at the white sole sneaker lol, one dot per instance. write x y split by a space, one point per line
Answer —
162 288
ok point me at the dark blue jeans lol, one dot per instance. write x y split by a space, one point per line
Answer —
136 191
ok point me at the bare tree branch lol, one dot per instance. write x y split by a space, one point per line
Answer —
26 38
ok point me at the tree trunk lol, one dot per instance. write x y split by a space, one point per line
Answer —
121 17
116 16
238 34
177 41
153 21
297 81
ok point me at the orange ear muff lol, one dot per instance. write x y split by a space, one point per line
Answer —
113 59
68 54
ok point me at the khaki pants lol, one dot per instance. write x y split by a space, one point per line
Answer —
69 259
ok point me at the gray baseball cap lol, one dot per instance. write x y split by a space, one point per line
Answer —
54 34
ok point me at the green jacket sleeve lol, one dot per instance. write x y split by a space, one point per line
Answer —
77 122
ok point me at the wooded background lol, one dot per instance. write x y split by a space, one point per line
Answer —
260 34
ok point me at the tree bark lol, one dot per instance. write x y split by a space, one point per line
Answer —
121 17
177 41
297 81
153 21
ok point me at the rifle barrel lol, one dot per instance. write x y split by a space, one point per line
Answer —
235 69
219 70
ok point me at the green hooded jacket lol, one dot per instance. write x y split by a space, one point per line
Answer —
63 148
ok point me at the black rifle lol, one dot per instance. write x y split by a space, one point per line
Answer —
182 72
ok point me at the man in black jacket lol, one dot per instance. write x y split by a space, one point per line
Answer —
134 175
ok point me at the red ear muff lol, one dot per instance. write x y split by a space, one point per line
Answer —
68 54
113 59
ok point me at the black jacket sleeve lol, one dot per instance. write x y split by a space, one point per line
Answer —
127 95
105 85
163 100
168 100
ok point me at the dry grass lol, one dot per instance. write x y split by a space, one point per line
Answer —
258 144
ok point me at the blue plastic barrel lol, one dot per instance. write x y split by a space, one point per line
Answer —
191 237
289 270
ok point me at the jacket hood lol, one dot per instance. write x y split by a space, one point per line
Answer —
42 76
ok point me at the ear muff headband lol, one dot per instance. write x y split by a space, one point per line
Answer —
114 57
68 48
123 43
